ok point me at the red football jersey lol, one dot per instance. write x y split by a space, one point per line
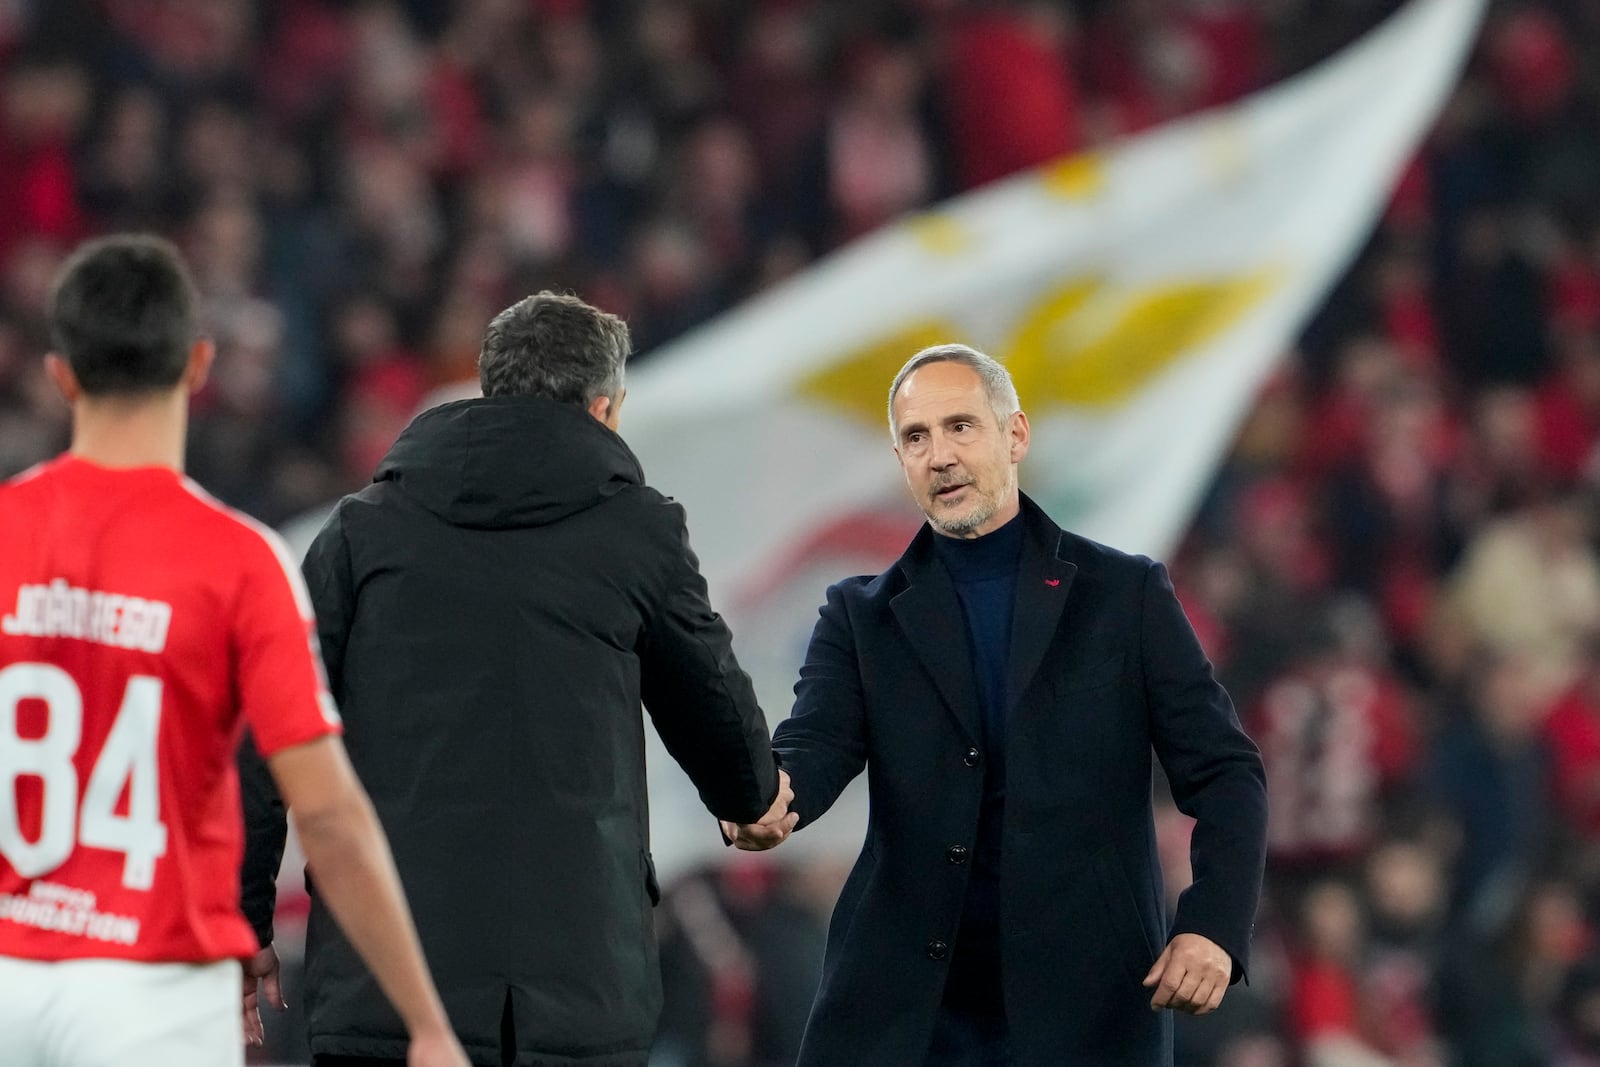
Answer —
139 621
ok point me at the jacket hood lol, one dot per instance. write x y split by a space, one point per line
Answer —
508 462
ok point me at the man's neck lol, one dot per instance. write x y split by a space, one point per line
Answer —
146 431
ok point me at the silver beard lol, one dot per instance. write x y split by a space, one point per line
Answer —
965 525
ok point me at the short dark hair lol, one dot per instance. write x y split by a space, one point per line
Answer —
123 314
555 346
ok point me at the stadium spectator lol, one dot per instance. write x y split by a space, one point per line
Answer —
1497 992
736 942
1338 739
1529 585
1572 733
1387 508
1009 91
1326 1007
1489 772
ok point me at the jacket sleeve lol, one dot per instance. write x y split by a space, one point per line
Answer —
327 574
702 703
265 829
823 744
328 578
1215 772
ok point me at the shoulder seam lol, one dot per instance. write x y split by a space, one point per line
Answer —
267 535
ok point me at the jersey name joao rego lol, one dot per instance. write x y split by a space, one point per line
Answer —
62 610
143 621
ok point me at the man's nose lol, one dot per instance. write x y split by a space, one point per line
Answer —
941 455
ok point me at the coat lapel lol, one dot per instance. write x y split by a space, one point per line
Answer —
1043 580
930 616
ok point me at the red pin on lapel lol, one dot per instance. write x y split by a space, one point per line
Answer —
1052 582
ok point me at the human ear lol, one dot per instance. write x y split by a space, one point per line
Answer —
1020 436
201 357
60 374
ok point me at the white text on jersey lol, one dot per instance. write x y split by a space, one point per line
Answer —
69 911
62 610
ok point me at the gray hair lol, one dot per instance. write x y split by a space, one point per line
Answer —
555 346
997 384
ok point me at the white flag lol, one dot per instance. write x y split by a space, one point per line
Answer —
1139 296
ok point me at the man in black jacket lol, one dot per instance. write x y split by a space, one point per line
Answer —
492 612
1004 684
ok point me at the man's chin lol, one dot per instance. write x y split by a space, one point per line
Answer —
958 525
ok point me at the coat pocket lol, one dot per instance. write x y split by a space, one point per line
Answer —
1134 948
1095 675
651 886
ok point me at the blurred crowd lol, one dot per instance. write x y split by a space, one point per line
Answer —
1396 571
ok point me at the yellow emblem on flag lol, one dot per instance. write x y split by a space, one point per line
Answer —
940 234
1080 177
859 383
1095 346
1084 344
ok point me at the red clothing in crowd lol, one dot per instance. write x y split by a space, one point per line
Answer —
1332 739
1573 733
1325 1000
1011 100
38 193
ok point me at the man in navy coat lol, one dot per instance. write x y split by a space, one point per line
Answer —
1004 684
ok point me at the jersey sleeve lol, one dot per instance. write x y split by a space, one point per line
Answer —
283 689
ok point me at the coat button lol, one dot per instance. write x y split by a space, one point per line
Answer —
938 950
971 757
956 854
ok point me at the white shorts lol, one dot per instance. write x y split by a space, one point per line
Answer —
114 1013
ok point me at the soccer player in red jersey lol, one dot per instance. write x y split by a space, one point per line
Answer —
141 623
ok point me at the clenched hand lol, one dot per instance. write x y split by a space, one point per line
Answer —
773 827
1190 976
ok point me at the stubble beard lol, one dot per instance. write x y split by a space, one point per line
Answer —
982 510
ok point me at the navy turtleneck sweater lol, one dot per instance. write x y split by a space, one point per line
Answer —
984 570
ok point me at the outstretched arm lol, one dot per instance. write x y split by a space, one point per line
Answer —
823 744
702 703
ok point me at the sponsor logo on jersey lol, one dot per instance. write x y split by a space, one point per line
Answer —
49 906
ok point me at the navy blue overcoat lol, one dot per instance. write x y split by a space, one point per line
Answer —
1105 671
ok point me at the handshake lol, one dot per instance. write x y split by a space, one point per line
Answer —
774 826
